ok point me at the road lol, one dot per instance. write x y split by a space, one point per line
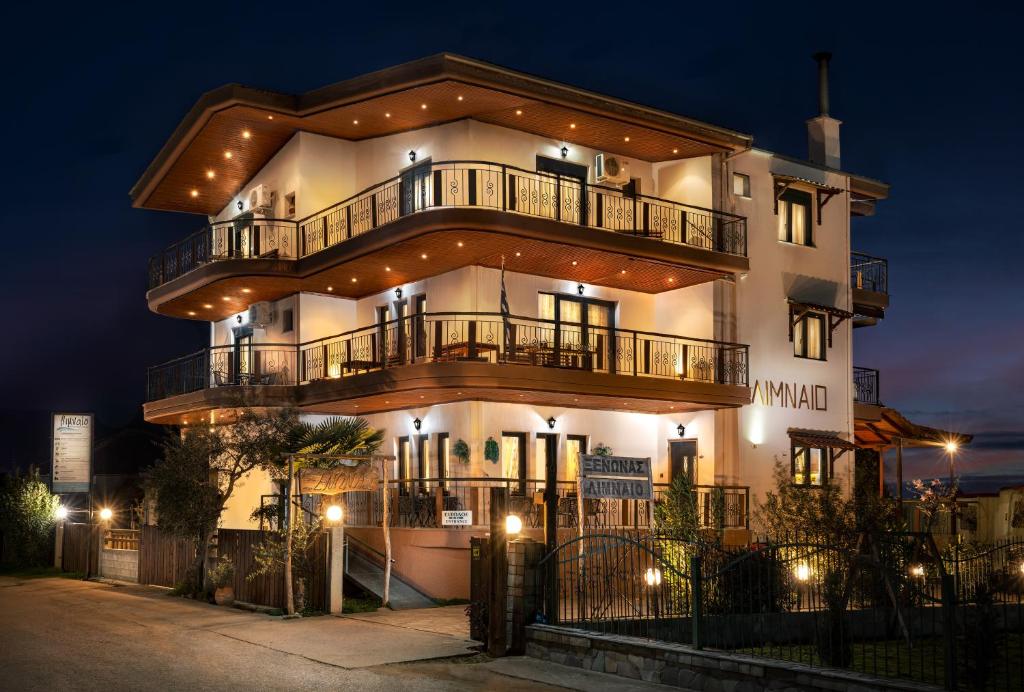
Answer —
63 634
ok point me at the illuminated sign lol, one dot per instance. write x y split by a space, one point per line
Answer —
72 452
813 397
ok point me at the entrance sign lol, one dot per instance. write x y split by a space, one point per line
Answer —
72 452
341 479
620 478
460 517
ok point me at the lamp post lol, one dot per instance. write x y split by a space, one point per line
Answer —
951 449
334 517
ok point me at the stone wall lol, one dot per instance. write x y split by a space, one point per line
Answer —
122 565
683 666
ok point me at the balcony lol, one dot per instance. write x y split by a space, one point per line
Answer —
865 391
419 502
486 210
869 279
435 358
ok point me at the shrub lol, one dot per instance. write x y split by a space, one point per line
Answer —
223 573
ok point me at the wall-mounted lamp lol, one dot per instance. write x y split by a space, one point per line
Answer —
551 422
412 156
565 152
681 430
238 319
106 514
416 423
240 205
398 293
579 289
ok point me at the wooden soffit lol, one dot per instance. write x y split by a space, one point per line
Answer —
880 427
432 91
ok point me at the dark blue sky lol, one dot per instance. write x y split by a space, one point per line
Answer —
931 101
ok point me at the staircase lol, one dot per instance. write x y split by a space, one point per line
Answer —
364 566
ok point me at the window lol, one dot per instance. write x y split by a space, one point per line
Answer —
741 184
423 458
443 460
810 467
575 447
513 459
287 320
404 470
289 205
795 217
809 337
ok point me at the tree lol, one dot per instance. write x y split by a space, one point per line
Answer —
27 517
201 468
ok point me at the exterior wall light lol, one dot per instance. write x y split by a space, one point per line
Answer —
106 514
565 152
653 576
412 155
579 289
398 293
802 572
513 525
61 513
551 422
681 430
917 571
240 205
416 423
334 514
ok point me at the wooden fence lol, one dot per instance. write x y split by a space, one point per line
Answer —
80 551
163 560
240 546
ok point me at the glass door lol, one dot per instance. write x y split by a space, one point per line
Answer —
583 328
414 188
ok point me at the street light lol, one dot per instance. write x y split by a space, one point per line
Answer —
653 576
513 525
952 447
334 514
61 513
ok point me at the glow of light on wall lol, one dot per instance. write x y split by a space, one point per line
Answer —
334 370
755 431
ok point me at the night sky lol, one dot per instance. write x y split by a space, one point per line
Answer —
931 102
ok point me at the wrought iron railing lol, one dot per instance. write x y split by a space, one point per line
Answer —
477 184
421 503
447 337
865 386
869 273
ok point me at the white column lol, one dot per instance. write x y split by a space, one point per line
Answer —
336 570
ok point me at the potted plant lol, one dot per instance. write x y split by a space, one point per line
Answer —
491 453
602 450
461 451
222 576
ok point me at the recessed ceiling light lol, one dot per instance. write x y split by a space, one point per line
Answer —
330 288
387 269
191 313
387 115
354 279
423 256
675 151
227 154
207 306
246 134
246 290
423 106
225 298
270 117
572 126
194 193
574 263
210 174
623 271
671 280
626 139
355 122
519 254
460 243
460 98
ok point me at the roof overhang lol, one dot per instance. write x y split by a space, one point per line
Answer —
451 87
880 427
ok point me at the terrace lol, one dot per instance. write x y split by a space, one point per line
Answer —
869 279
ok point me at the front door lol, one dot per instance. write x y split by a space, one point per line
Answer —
414 188
683 459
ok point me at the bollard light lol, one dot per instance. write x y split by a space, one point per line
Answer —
61 513
917 571
653 576
803 572
513 525
334 514
106 514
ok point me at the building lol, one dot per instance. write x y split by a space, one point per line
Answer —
673 291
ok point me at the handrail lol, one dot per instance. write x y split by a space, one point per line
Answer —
562 198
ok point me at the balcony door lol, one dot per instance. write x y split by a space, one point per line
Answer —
683 460
242 357
414 188
583 329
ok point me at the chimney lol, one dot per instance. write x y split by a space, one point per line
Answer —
823 131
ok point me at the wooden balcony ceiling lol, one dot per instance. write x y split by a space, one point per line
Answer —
881 428
204 296
440 89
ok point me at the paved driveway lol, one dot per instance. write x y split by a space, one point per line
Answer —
62 634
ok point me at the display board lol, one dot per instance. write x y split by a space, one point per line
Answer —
72 452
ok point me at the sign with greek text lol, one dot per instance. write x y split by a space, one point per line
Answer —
623 467
342 479
617 488
623 478
72 452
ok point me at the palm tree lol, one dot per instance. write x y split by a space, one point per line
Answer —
332 437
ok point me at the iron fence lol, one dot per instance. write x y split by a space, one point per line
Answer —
869 273
476 184
890 606
865 386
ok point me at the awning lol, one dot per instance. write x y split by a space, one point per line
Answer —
823 193
797 310
876 428
820 439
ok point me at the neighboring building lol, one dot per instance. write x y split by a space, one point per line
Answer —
673 292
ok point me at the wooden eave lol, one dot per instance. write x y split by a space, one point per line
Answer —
880 427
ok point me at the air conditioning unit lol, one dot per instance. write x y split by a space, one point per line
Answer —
261 314
261 197
609 169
